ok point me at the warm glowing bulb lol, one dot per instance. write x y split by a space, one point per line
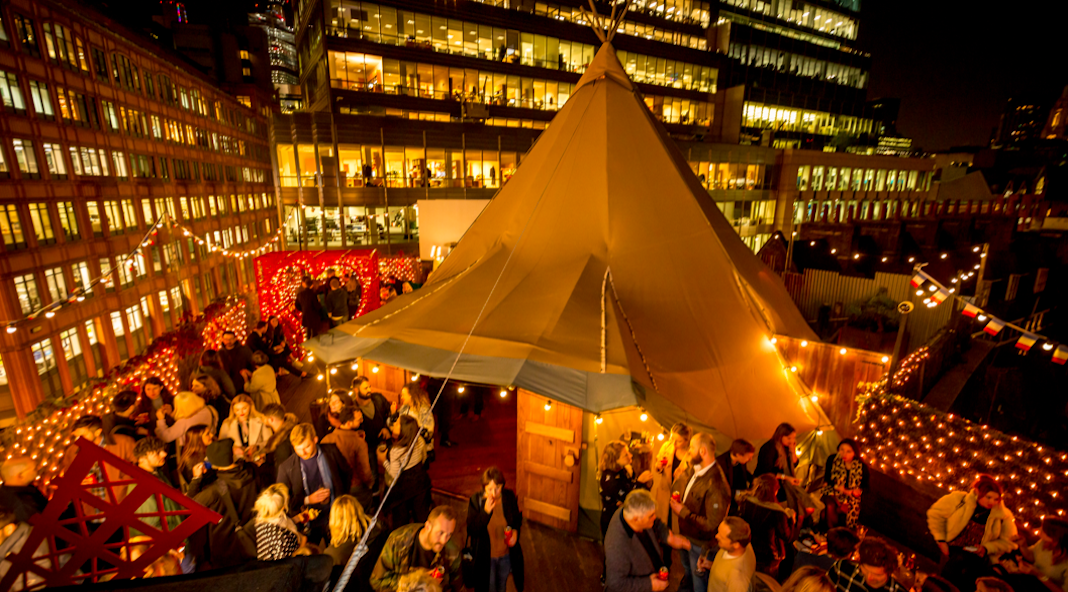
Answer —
319 377
943 255
804 343
833 251
1047 346
11 329
660 436
842 351
886 359
415 377
932 287
598 420
504 393
548 405
919 292
375 369
981 317
911 259
814 398
333 371
644 416
975 249
460 389
774 340
311 358
793 368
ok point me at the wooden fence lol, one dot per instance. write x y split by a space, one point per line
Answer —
834 377
818 287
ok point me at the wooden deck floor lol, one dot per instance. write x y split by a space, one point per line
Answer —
556 561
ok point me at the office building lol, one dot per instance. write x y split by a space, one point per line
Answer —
103 134
282 52
409 101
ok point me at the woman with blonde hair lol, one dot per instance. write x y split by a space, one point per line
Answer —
673 454
277 536
347 523
245 427
808 579
617 479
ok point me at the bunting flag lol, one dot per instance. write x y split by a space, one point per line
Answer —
1026 341
971 311
917 280
940 296
994 326
1060 356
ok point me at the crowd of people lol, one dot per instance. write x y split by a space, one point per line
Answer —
765 531
326 303
285 489
291 490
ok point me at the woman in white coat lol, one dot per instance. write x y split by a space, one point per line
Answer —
972 529
245 427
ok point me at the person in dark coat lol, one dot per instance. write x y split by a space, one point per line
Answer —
355 294
260 340
121 418
637 545
617 479
236 358
215 546
375 409
316 475
769 525
311 310
494 523
733 462
336 302
18 493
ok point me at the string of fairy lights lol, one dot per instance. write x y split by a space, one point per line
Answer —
132 260
936 293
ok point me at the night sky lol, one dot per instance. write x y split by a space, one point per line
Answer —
954 64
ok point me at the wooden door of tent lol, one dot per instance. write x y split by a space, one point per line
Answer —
547 487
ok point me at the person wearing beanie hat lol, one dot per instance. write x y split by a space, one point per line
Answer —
220 454
189 410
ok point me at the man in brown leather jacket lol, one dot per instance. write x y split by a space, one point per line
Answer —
701 498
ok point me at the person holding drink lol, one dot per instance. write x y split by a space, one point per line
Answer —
673 454
493 525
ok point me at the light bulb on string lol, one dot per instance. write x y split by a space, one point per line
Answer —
460 389
598 420
548 405
644 416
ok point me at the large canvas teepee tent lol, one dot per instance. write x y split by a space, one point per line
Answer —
602 275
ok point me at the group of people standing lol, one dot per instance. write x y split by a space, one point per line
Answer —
737 531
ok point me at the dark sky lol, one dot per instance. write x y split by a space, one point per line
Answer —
954 64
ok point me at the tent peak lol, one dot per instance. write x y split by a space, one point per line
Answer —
605 65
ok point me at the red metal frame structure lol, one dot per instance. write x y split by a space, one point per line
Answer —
86 536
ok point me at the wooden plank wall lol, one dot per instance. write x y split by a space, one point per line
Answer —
835 378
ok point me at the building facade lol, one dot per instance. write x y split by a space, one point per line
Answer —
410 100
282 53
101 135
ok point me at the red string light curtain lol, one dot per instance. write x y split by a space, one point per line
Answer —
102 507
278 278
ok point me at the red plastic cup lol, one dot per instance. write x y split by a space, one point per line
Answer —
437 573
676 496
663 574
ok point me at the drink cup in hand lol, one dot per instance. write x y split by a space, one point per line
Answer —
676 496
663 574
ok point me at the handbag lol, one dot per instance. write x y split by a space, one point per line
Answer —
467 561
247 542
